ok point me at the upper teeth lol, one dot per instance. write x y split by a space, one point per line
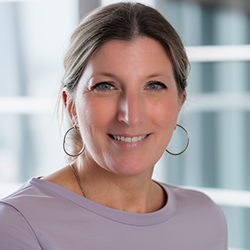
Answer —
130 139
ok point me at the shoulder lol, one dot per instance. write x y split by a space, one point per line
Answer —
195 205
40 197
32 196
26 191
192 198
15 231
196 216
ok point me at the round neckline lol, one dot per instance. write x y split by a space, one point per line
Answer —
136 219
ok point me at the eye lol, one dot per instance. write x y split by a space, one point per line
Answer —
103 86
156 85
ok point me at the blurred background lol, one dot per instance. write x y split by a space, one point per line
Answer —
33 38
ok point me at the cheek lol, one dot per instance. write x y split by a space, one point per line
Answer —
165 113
94 113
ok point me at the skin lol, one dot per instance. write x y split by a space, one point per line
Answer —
127 89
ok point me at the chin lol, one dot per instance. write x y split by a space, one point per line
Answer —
131 167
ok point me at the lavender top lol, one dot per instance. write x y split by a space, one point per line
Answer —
43 215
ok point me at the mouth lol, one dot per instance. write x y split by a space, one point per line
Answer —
129 139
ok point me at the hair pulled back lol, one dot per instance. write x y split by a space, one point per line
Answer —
121 21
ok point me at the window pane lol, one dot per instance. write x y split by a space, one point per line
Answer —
34 35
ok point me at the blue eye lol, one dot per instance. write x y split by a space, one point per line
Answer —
104 86
156 85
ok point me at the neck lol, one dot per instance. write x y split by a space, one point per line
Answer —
137 194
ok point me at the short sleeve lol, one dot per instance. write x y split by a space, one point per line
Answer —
15 231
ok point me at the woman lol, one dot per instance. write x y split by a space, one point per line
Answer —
124 85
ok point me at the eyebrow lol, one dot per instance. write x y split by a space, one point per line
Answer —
104 73
148 76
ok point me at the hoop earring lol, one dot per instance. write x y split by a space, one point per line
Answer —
64 148
175 154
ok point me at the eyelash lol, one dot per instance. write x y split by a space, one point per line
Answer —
97 86
151 83
156 83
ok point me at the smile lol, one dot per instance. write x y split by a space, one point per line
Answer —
129 139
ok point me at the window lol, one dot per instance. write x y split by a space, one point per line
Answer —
34 35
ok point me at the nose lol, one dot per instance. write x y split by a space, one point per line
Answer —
131 109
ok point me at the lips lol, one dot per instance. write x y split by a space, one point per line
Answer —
129 139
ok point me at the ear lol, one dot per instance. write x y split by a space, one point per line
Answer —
183 96
70 107
182 99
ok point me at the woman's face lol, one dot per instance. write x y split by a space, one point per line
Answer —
127 105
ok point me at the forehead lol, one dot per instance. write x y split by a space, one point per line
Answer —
141 53
141 45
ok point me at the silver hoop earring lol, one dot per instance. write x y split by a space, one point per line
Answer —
175 154
64 148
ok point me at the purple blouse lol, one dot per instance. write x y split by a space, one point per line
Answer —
43 215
